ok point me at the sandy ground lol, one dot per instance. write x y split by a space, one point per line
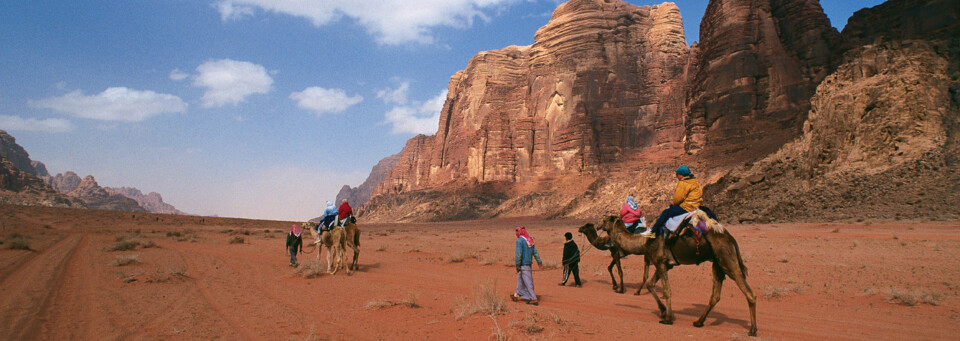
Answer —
856 281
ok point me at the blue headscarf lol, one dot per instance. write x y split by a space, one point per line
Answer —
683 170
331 210
632 202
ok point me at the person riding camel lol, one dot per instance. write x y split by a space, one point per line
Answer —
687 197
632 215
343 213
329 218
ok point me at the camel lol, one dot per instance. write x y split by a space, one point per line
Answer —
351 238
333 242
600 243
716 246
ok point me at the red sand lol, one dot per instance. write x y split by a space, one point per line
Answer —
814 281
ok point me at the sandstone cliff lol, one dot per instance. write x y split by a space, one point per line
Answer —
95 197
609 100
13 152
152 202
358 196
21 188
881 140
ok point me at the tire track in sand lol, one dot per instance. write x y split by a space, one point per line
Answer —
29 291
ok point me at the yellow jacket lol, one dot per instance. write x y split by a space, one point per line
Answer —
689 194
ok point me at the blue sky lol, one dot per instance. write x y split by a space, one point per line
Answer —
248 108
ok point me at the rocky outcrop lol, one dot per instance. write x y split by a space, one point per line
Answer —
786 118
601 84
358 196
152 202
40 167
758 67
13 152
882 136
65 182
21 188
95 197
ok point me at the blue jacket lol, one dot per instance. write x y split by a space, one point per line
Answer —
526 254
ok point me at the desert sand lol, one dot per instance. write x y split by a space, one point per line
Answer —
189 278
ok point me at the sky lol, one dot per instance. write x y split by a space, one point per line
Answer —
249 108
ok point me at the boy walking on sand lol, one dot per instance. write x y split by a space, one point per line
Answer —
571 261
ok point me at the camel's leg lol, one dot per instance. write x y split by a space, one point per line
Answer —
646 269
741 280
329 255
656 276
718 276
356 256
610 270
667 293
623 285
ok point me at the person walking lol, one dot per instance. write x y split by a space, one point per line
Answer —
293 242
526 253
571 261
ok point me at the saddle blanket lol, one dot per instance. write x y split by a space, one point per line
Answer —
673 223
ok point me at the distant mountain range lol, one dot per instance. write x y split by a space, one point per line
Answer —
27 182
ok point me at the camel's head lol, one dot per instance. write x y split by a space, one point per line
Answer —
586 228
609 223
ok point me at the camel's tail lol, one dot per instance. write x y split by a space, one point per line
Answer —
743 267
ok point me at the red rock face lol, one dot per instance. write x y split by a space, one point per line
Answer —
601 84
13 152
152 202
21 188
95 197
357 196
758 66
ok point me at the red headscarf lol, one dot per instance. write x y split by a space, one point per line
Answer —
522 233
295 230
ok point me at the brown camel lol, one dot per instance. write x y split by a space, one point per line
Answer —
600 243
351 238
333 242
716 246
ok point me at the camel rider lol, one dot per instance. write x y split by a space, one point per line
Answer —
343 213
329 216
687 197
632 215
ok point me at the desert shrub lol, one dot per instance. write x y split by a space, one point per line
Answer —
460 257
125 245
409 302
915 297
780 291
236 240
16 242
127 259
382 248
311 269
147 244
549 265
173 233
485 300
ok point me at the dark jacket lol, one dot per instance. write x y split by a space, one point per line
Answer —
571 253
294 241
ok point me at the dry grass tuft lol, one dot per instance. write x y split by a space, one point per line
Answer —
122 246
409 302
311 269
462 256
127 259
486 300
237 240
780 291
912 297
16 242
130 241
382 248
549 265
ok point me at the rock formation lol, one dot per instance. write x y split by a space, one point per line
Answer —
358 196
40 167
13 152
601 84
757 67
21 188
65 182
609 100
152 202
95 197
881 140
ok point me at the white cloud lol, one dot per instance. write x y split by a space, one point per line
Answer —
389 21
230 11
114 104
50 125
178 75
418 118
322 100
230 82
395 96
